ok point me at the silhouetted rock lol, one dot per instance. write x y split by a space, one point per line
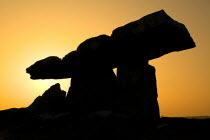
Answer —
72 64
150 37
48 68
151 104
100 105
130 47
55 68
91 54
52 100
147 38
135 44
138 91
92 91
98 51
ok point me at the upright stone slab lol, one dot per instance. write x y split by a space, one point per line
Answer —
138 91
92 91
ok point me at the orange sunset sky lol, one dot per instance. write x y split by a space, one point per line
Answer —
31 30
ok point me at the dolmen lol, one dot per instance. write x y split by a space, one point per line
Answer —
94 85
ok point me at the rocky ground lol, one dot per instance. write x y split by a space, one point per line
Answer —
21 124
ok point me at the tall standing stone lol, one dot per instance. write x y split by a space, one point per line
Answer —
92 91
138 91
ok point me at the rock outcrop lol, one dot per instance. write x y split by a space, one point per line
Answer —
94 86
52 101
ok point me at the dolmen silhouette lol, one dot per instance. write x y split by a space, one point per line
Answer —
95 87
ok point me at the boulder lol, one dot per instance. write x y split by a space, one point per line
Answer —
98 51
48 68
55 68
52 100
151 37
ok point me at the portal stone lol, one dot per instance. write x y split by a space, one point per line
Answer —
138 91
92 92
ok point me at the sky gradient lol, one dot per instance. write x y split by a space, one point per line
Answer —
31 30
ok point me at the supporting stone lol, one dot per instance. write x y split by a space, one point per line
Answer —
92 92
138 91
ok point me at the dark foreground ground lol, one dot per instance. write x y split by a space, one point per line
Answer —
19 124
